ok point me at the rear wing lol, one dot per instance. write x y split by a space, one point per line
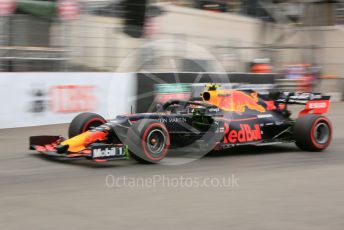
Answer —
316 103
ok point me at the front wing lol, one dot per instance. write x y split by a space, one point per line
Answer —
98 152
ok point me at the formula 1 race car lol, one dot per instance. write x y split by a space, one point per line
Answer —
219 119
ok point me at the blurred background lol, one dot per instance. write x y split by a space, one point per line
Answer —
293 37
297 39
300 40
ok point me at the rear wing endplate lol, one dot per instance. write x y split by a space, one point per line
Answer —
316 103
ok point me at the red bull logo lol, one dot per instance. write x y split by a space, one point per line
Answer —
233 100
245 134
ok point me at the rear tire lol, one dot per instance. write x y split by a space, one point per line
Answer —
148 141
312 132
84 122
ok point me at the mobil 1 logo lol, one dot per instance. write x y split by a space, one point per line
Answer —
103 151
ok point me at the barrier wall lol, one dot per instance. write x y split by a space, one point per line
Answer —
30 99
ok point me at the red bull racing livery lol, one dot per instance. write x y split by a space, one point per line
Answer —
217 120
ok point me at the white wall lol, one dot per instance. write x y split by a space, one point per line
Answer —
31 99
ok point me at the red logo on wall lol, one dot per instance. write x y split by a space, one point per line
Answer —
73 98
7 7
68 9
245 134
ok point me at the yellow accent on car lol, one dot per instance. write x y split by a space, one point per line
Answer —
77 143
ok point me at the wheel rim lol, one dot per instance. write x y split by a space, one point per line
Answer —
322 133
156 141
92 125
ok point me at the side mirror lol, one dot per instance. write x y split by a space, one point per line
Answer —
159 108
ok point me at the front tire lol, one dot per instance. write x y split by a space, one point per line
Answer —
148 141
312 132
84 122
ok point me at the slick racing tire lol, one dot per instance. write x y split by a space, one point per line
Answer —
148 141
312 132
84 122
